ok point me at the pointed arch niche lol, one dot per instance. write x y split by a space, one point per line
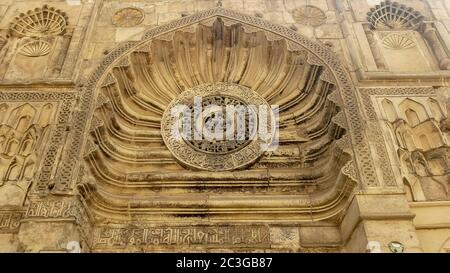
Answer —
311 174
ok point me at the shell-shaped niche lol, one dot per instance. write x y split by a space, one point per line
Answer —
35 48
398 41
40 22
309 15
143 86
392 15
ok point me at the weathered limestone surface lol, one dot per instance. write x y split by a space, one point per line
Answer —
88 162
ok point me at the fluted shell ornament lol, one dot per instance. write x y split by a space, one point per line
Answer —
397 41
35 48
40 22
309 15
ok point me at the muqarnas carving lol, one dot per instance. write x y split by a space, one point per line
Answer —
39 41
422 147
24 130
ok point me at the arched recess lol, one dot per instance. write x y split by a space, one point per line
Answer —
413 112
328 87
436 109
21 117
45 115
14 171
12 147
389 110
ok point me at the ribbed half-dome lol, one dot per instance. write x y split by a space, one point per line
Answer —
141 85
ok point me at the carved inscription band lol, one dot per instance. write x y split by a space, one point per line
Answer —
219 236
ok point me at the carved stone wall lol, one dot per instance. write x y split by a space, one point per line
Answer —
87 159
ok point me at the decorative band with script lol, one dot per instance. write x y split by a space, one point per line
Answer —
220 236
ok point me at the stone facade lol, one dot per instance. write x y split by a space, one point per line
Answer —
87 163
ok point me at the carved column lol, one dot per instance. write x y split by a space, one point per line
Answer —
4 41
63 49
7 56
378 57
429 32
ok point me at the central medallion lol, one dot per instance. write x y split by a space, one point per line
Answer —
220 132
218 127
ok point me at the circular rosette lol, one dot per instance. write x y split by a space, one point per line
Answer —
218 127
